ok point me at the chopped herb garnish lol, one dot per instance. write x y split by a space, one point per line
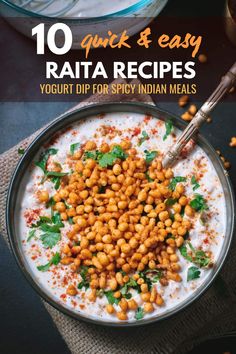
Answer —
55 260
148 177
70 220
74 147
169 128
110 297
102 189
194 183
171 201
42 163
150 281
199 203
139 314
109 158
195 256
193 273
56 174
130 284
21 151
150 156
50 203
31 235
42 220
90 155
176 180
51 229
84 283
143 138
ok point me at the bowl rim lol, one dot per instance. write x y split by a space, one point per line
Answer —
125 12
61 123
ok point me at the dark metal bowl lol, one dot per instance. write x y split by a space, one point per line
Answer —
17 186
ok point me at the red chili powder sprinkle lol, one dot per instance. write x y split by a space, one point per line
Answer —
147 118
31 215
136 131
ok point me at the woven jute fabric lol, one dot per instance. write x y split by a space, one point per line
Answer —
214 313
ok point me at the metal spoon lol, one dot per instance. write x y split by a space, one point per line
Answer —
200 117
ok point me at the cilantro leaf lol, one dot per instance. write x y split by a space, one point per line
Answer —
150 156
51 229
110 297
148 177
74 147
42 163
139 314
194 183
130 284
109 158
90 155
54 260
56 174
84 282
176 180
50 203
42 220
70 220
31 235
199 203
169 128
119 153
44 268
196 256
50 239
21 151
143 138
193 273
184 252
171 201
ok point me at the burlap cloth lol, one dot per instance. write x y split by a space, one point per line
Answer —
214 313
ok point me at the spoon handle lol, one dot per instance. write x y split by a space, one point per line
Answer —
200 117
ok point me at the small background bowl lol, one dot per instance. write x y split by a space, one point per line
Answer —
133 19
17 186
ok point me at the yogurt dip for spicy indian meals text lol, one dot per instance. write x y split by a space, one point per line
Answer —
109 233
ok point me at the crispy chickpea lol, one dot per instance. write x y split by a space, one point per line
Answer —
125 248
189 211
123 226
119 278
133 242
159 300
60 206
113 284
122 316
102 258
123 305
144 288
43 196
164 215
146 296
183 201
132 305
110 309
90 145
71 290
142 196
117 169
148 307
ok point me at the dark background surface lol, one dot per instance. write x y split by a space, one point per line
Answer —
25 326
